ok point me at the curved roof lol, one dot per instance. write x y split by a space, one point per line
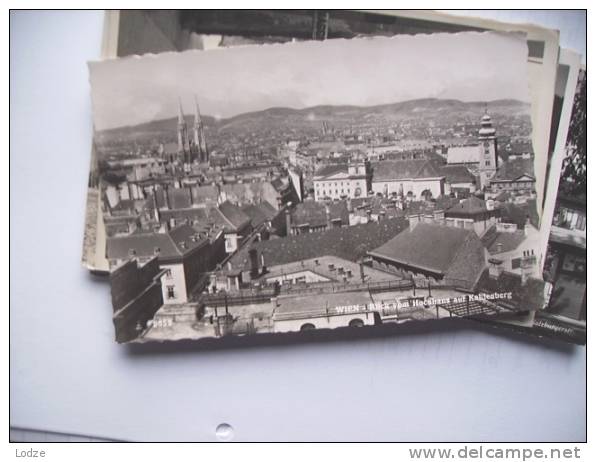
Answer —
486 131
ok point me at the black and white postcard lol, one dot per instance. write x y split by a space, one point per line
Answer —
346 183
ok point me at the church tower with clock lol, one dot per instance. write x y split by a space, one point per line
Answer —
488 155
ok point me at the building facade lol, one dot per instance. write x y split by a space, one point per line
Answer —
341 181
415 179
481 157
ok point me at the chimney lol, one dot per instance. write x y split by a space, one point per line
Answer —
288 223
263 266
527 225
192 202
349 205
254 263
166 198
155 208
524 275
499 247
328 216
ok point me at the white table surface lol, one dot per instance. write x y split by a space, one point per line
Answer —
68 375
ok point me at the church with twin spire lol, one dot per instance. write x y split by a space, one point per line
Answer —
191 149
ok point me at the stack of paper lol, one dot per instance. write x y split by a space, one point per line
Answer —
336 171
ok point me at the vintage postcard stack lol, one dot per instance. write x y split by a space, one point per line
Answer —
265 173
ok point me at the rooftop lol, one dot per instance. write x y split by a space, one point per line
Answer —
513 169
332 169
454 253
330 267
403 169
519 213
253 192
412 247
348 242
314 213
180 198
234 214
259 213
456 174
174 244
470 206
469 154
498 242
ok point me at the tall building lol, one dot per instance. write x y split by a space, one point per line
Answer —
200 143
183 143
480 158
195 149
488 142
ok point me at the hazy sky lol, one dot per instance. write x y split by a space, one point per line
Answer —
468 66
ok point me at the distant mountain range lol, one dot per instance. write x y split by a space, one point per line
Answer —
311 117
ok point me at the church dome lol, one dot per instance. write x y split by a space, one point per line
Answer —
486 126
486 131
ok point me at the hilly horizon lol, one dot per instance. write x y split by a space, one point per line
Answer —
314 115
322 110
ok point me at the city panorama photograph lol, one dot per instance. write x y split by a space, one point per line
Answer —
317 185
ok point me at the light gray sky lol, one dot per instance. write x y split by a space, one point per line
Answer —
467 66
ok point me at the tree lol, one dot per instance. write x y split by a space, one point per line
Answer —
574 170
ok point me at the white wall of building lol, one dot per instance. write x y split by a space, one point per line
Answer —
416 186
323 322
231 242
530 247
469 186
173 279
336 188
298 276
296 183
